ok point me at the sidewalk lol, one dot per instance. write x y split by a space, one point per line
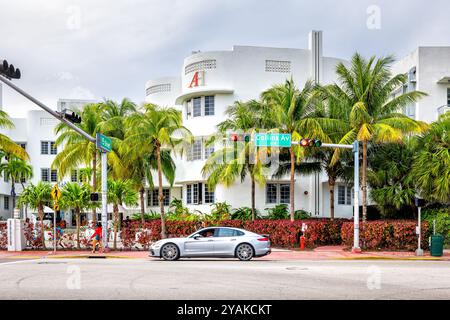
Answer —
320 253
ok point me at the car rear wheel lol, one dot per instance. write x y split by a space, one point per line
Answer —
170 252
244 252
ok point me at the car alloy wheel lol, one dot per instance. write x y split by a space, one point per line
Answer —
170 252
244 252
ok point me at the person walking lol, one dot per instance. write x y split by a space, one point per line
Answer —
97 236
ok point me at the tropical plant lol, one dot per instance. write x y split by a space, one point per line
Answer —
389 178
6 144
220 211
302 215
120 192
36 197
152 215
439 221
15 170
280 211
77 197
431 166
366 87
226 165
291 111
244 213
151 131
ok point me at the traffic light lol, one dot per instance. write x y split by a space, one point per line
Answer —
72 117
8 70
234 137
310 143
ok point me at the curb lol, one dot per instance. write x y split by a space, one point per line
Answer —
392 258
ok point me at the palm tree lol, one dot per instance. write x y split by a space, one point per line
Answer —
77 197
36 197
150 132
6 144
366 88
431 164
120 192
243 117
290 110
16 170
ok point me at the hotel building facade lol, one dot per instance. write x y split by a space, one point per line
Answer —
207 84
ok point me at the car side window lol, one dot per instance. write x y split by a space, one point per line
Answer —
224 232
239 233
207 233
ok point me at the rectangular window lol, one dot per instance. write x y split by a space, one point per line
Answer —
208 152
53 149
54 175
209 105
195 152
45 174
188 193
285 193
5 177
448 97
197 107
155 200
44 147
271 193
209 195
74 176
6 203
341 195
22 178
349 196
195 193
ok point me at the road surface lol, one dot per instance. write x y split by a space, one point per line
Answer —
223 279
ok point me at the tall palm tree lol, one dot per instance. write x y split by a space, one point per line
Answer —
6 144
151 131
366 88
120 192
36 197
17 171
431 164
77 197
290 111
243 117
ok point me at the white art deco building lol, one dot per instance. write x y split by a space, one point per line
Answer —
207 84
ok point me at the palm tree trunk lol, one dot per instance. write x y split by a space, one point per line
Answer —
78 213
160 191
291 189
331 182
94 183
141 196
364 182
253 199
41 217
116 224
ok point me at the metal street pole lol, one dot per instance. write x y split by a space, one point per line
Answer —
356 248
419 251
61 118
104 200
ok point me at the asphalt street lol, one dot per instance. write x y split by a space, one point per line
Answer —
223 279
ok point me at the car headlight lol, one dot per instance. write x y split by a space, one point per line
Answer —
157 244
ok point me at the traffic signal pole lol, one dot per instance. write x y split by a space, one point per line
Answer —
61 118
355 149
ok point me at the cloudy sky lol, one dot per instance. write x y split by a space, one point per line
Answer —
101 48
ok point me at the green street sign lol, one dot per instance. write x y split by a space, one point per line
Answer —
273 140
103 143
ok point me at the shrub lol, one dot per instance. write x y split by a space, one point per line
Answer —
442 217
244 213
3 236
279 212
302 215
152 215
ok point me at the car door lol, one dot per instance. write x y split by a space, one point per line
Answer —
201 245
225 240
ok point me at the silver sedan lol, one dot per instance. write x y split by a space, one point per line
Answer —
223 242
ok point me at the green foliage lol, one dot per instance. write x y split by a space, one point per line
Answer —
442 217
302 215
152 215
280 211
243 213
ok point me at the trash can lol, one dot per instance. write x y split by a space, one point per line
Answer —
437 245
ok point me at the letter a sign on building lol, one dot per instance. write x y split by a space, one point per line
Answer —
197 79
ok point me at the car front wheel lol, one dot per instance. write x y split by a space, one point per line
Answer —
244 252
170 252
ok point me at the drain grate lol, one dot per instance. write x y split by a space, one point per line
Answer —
96 257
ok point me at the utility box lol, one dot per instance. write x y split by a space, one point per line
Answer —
16 236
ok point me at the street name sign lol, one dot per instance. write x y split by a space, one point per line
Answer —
272 139
103 142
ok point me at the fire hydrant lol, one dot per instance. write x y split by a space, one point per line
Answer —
302 242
